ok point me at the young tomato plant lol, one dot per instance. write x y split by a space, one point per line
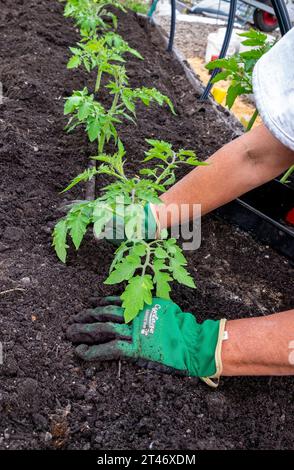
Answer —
100 54
146 265
239 68
101 123
91 16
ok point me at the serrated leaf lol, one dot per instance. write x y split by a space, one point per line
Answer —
123 271
71 104
93 130
118 255
85 176
179 257
163 288
77 222
159 264
134 259
102 213
74 62
137 293
181 275
84 110
139 249
160 253
229 64
221 76
233 92
59 239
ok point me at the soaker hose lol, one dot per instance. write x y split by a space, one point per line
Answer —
172 21
225 45
172 26
282 15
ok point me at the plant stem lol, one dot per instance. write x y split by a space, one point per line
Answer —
101 143
147 260
160 177
252 120
98 81
288 173
114 103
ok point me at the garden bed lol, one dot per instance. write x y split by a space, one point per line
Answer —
49 399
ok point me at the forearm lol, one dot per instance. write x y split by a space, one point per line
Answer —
245 163
260 346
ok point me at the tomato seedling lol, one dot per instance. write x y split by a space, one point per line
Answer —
145 265
91 16
239 68
100 123
100 54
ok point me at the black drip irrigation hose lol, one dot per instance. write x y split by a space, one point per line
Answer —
282 15
172 26
227 38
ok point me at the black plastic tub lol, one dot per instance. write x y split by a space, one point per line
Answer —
264 212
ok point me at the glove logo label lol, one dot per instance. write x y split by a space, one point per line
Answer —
150 320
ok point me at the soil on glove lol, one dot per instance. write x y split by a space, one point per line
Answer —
48 398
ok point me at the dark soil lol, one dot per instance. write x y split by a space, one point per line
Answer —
48 399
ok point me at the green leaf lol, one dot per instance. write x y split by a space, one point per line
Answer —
229 63
139 249
74 62
78 222
159 264
147 172
93 130
179 257
59 239
137 293
84 110
85 176
160 253
71 104
252 54
233 92
123 271
162 284
181 275
221 76
252 42
102 213
254 34
118 255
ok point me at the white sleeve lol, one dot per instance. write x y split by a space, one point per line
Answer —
273 86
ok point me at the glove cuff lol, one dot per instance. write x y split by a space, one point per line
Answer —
213 380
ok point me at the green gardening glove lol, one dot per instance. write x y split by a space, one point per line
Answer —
115 232
161 336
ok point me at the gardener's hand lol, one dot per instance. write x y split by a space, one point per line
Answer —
115 231
161 336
